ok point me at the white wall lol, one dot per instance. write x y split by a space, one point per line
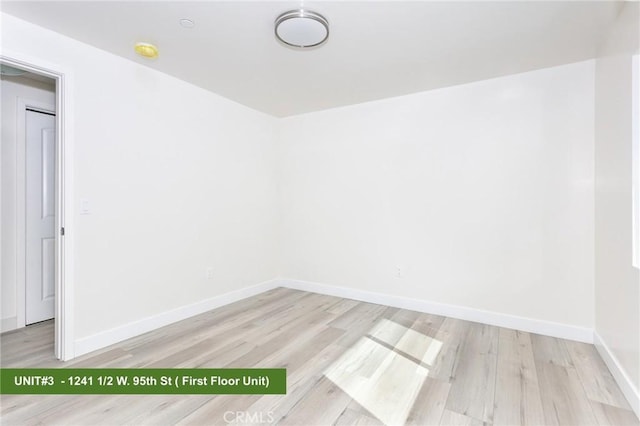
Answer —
617 283
481 193
178 179
10 90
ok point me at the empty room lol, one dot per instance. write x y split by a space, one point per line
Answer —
320 213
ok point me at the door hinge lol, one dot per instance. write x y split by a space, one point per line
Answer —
62 231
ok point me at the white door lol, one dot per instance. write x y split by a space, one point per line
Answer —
40 216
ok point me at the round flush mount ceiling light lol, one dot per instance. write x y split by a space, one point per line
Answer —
11 71
187 23
302 28
147 50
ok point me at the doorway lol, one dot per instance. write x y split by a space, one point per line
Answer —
41 196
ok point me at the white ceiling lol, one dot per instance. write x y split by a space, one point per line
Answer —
376 49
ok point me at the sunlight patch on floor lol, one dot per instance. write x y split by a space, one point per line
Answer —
385 370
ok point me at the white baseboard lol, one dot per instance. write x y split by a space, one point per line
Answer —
136 328
624 381
530 325
8 324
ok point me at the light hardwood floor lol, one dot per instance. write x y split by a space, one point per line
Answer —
348 363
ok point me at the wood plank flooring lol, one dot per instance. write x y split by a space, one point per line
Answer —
348 363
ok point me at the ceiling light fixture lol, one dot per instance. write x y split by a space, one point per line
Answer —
10 71
147 50
187 23
302 28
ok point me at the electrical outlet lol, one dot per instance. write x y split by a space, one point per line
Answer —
398 272
209 273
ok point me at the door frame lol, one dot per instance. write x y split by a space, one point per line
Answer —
64 185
